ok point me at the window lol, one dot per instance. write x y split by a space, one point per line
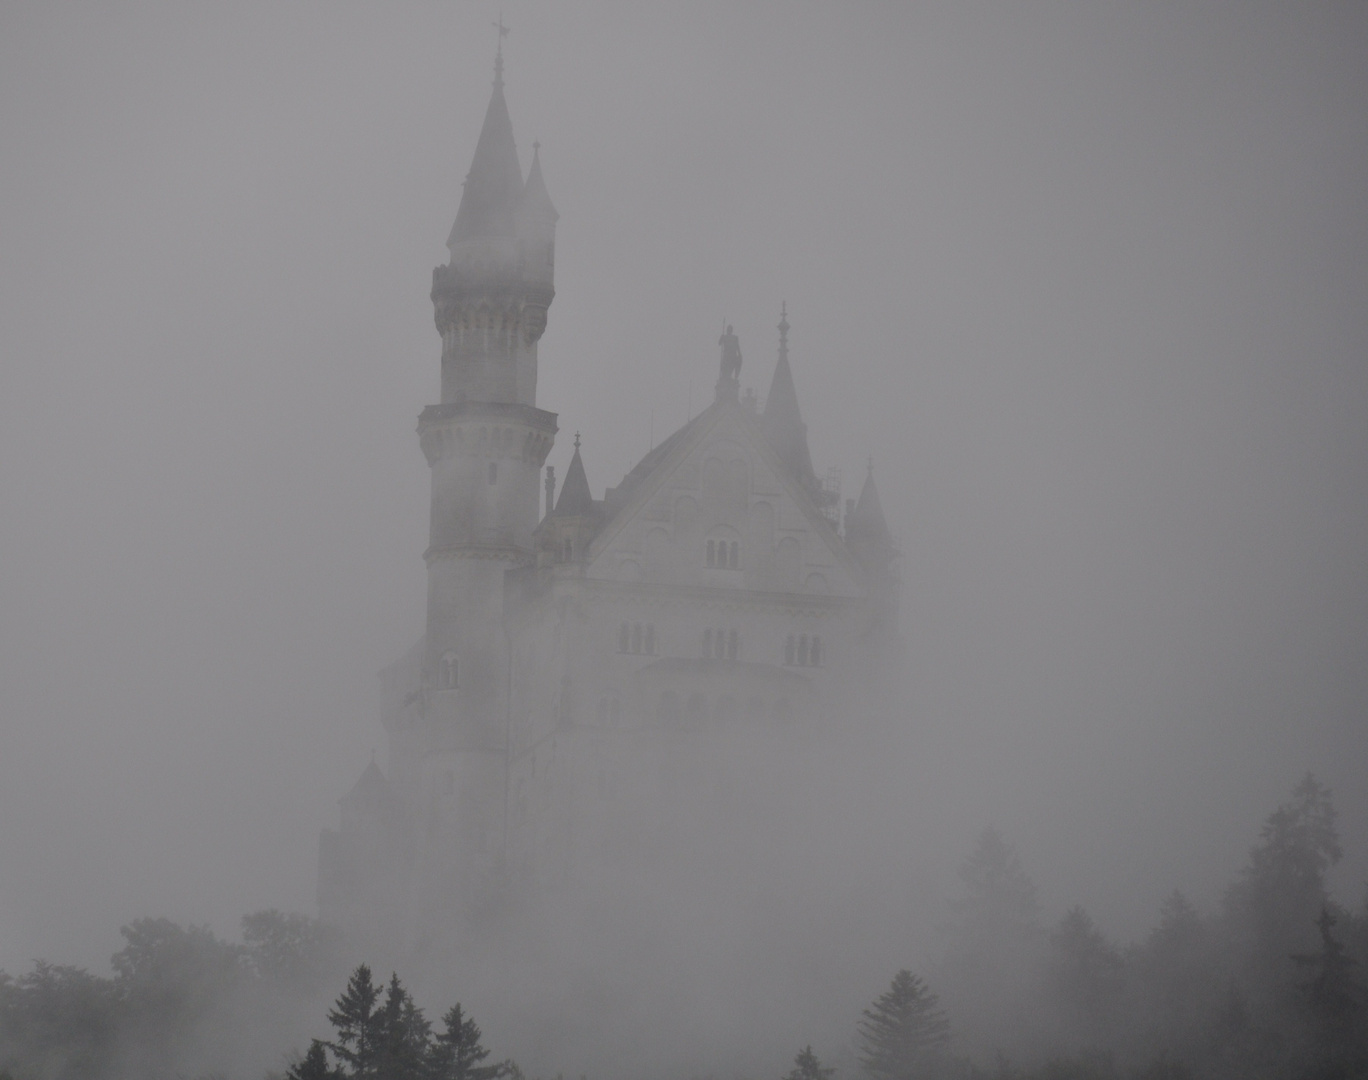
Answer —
721 644
636 638
723 554
568 550
446 676
493 471
803 651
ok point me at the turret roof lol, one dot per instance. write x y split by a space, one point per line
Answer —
575 498
783 422
866 524
535 198
494 184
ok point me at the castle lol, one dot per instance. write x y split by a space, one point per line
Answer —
719 588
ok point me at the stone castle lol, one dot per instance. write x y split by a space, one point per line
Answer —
574 646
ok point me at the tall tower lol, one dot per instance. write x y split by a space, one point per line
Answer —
485 443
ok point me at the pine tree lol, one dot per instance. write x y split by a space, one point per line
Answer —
314 1066
360 1033
1335 997
903 1034
807 1066
403 1049
457 1054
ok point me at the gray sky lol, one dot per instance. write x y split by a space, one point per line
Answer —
1090 282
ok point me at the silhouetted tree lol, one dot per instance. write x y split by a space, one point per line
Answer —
1275 903
314 1065
807 1066
457 1053
405 1033
359 1025
1336 999
1085 973
903 1034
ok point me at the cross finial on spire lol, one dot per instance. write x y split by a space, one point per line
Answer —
577 440
498 53
871 464
783 328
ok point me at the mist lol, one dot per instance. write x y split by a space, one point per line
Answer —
1088 285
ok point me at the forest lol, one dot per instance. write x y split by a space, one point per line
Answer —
1268 984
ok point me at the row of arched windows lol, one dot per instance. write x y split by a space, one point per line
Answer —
803 651
636 638
724 553
721 644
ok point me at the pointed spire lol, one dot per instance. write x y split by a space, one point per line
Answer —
494 184
536 201
783 422
866 527
575 499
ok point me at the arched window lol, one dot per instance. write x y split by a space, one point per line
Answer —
732 645
650 640
707 643
447 674
636 637
815 651
622 637
712 552
720 644
493 471
789 651
733 554
803 651
569 549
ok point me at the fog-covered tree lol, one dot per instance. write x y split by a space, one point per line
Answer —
1272 909
314 1065
903 1034
1336 1000
458 1054
807 1066
1086 976
358 1024
293 950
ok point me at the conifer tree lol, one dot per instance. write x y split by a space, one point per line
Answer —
1338 1002
314 1065
360 1033
404 1036
807 1066
903 1034
457 1054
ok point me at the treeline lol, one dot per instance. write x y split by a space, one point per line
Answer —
181 1003
1267 985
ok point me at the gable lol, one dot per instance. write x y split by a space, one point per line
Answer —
718 509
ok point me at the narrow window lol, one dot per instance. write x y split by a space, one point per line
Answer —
569 549
732 555
788 651
802 651
493 471
636 638
650 639
447 675
731 645
815 651
712 553
622 638
707 643
720 644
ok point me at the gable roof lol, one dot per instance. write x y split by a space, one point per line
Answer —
623 503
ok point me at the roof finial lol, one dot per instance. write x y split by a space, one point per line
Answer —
498 54
783 330
871 464
577 440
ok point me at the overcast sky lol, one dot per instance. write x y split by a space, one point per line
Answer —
1089 282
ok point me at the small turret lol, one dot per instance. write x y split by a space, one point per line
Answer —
576 518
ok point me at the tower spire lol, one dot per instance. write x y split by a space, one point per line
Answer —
783 422
498 52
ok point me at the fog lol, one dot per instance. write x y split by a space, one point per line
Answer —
1089 285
